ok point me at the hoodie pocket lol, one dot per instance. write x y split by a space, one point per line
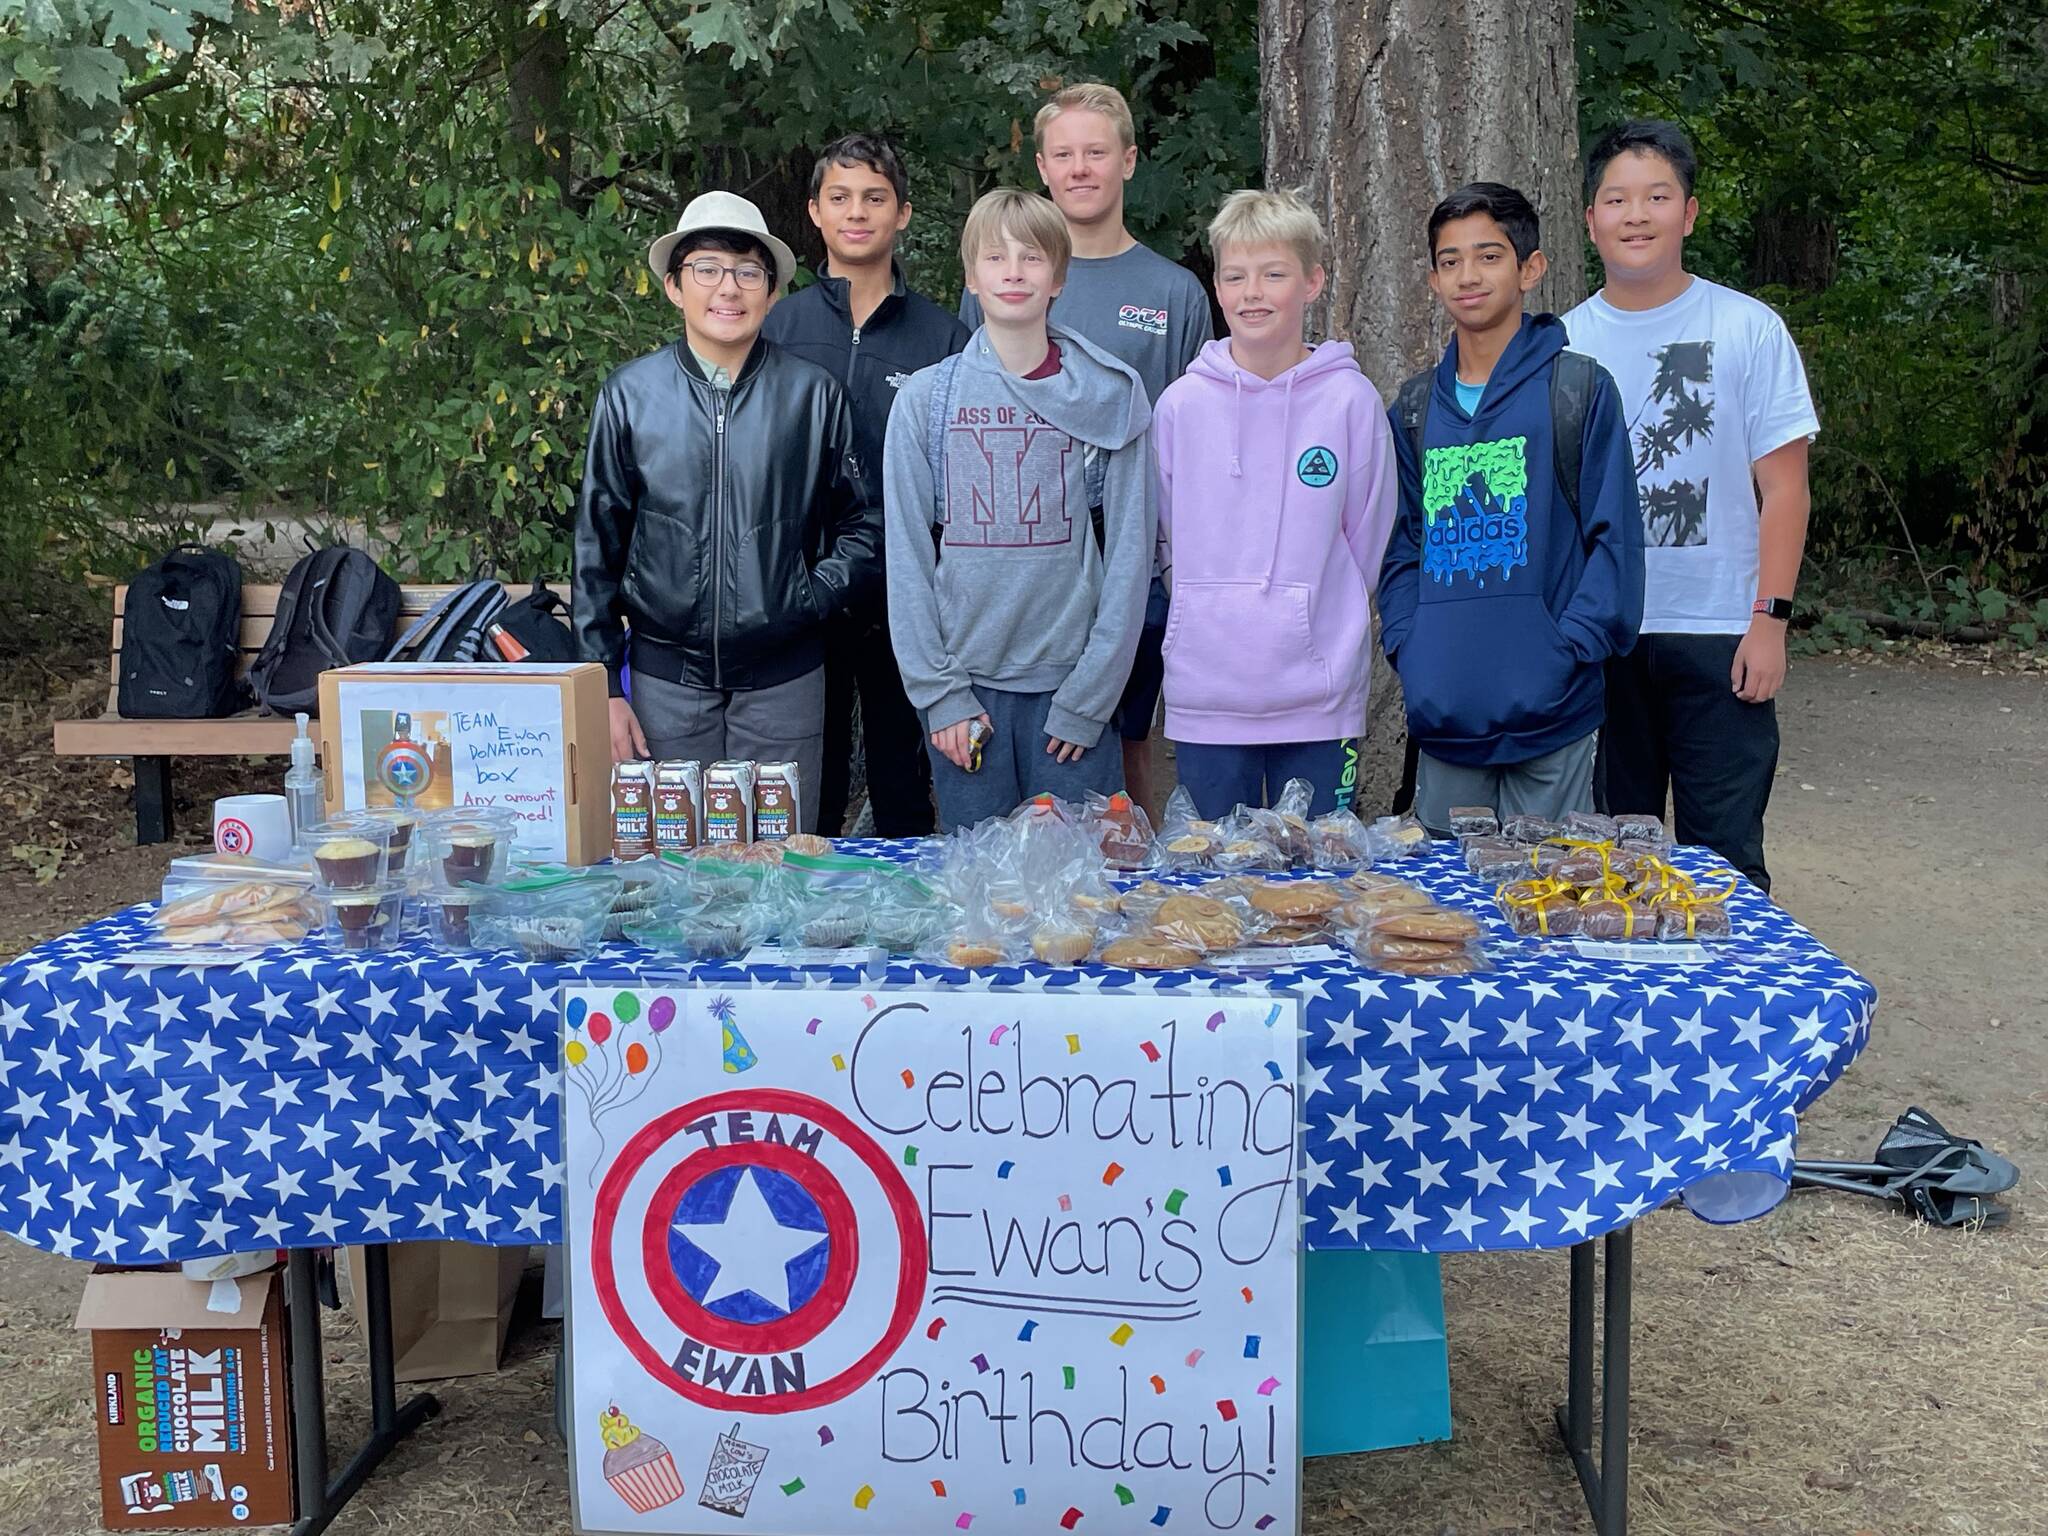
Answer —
1486 667
1243 648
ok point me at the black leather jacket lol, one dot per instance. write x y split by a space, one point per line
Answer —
725 531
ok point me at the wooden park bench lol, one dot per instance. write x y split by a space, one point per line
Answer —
154 743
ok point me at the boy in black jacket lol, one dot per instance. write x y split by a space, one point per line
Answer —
861 323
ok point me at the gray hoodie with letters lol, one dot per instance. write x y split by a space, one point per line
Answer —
1014 595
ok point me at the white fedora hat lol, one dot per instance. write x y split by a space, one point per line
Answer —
731 214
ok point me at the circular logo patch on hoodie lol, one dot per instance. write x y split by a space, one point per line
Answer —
1317 467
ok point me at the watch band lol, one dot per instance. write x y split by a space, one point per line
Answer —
1773 607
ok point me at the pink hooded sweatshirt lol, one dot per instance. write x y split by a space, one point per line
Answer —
1276 497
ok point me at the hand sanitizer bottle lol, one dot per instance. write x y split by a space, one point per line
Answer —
303 797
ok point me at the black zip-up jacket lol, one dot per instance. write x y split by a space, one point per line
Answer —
725 530
906 332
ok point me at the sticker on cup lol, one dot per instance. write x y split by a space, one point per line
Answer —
252 826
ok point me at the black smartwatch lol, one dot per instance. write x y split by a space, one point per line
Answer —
1779 608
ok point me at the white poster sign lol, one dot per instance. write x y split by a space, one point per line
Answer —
931 1262
484 743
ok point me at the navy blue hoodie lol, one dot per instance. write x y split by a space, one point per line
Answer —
1497 608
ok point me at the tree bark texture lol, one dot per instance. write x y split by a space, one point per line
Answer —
1376 109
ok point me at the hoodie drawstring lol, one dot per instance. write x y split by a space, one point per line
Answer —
1237 426
1280 512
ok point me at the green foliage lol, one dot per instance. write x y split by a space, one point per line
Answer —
1893 149
375 267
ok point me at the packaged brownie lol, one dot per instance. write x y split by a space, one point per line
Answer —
1581 866
1336 841
1617 917
1528 830
1692 919
1121 830
1291 805
1637 828
1474 821
1494 859
1539 909
1590 826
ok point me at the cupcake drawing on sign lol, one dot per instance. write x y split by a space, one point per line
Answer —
637 1465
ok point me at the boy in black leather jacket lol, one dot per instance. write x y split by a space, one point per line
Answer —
724 517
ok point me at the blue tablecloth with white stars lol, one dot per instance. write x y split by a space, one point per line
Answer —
309 1097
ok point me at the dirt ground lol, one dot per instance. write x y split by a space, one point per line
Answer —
1833 1368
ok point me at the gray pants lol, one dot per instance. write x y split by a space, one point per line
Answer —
782 724
1015 765
1551 786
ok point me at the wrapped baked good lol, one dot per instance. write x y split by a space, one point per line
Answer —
1494 859
1539 908
1295 900
1200 923
1693 920
1639 828
1291 805
1336 841
1387 946
363 918
1617 917
1121 829
1465 962
1396 837
558 915
1528 830
1474 821
1063 943
1253 838
1440 925
1149 954
1579 865
1589 826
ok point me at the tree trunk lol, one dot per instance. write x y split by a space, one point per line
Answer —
536 59
1794 245
1377 109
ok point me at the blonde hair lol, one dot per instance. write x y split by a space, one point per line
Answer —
1021 216
1089 96
1268 218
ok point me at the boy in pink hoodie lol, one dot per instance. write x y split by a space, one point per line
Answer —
1276 496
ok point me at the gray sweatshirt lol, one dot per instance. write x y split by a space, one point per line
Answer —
1017 596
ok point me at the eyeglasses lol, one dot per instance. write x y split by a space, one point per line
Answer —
709 274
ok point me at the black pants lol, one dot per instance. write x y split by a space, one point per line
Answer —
859 658
1674 722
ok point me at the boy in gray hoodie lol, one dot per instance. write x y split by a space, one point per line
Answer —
1014 612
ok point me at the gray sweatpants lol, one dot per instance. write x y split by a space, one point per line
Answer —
782 724
1551 786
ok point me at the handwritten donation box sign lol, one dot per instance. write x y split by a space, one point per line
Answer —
533 739
930 1261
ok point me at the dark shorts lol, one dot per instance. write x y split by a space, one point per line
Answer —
1140 703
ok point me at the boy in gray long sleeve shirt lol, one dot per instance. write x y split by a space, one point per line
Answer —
1008 613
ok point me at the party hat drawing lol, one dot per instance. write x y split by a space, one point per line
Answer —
738 1055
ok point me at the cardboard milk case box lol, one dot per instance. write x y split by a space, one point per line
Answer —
532 738
191 1398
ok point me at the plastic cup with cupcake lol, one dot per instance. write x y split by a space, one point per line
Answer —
471 847
364 917
405 826
352 853
444 915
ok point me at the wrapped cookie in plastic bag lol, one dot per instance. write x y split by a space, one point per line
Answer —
1422 941
1336 841
1253 838
1396 837
1185 841
1291 806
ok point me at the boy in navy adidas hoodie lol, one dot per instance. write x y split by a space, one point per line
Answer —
1503 591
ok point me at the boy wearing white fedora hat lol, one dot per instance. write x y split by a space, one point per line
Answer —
724 515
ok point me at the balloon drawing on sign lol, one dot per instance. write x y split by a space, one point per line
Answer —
612 1057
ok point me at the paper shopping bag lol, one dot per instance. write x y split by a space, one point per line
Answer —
451 1305
1375 1371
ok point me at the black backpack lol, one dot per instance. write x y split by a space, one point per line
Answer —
454 628
336 608
181 635
532 622
1574 380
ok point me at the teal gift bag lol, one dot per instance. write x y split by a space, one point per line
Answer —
1374 1368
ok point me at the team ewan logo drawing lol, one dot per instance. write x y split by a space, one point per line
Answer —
731 1233
232 835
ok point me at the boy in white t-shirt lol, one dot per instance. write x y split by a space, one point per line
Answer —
1720 419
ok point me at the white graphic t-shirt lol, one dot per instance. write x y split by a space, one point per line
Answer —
1710 383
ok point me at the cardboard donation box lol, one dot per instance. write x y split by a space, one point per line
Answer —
451 1306
533 739
192 1400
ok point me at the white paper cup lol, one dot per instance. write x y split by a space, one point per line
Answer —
257 826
